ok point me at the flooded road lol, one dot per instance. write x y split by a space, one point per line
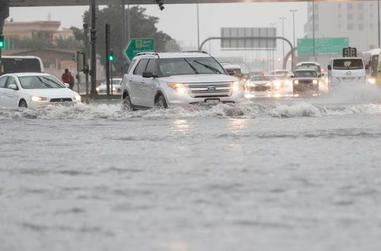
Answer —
289 174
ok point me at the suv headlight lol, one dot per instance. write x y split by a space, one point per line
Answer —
296 82
179 87
234 86
37 99
314 81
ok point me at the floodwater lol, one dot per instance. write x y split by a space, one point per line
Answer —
274 174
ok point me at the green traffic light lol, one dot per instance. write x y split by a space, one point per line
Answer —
110 58
2 44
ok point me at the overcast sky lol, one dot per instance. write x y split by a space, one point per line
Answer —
180 21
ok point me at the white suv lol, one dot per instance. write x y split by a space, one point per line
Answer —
167 79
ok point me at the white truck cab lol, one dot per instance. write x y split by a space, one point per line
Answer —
345 70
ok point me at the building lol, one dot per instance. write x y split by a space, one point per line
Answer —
45 30
355 20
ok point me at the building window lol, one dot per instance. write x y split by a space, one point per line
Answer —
361 6
350 6
361 16
350 16
350 27
361 27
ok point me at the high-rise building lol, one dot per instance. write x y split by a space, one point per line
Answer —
356 20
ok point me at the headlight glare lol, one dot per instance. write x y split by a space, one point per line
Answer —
234 86
179 87
314 81
296 82
77 98
37 99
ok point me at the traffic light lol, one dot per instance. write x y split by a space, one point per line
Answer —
161 4
2 43
111 56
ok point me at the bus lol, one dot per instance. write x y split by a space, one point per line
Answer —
15 64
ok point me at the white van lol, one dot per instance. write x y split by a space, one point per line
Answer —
345 70
17 64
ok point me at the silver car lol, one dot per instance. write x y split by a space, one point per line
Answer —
168 79
114 87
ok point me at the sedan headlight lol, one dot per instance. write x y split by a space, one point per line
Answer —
37 99
372 81
179 87
97 89
268 84
314 82
276 84
234 86
77 98
296 82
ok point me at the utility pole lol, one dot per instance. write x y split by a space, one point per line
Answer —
283 18
293 24
85 59
313 30
93 49
198 28
378 15
107 51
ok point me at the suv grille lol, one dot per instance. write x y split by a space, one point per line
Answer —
207 90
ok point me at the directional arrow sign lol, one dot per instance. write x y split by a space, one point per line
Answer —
137 45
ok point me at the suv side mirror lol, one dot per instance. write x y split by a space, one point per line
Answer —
13 87
148 74
366 67
67 85
329 67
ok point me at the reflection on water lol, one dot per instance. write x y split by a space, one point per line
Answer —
181 125
237 124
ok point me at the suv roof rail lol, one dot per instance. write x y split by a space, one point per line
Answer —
148 53
204 52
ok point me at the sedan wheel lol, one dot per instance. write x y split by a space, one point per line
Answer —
23 104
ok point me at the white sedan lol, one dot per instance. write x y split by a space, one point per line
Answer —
34 90
114 88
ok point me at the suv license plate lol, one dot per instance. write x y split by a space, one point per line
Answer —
212 101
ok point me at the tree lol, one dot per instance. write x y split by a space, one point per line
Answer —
67 43
142 26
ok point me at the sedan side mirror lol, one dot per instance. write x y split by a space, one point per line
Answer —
67 85
13 87
148 74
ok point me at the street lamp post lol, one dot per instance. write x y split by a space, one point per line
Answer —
293 24
198 28
272 56
283 18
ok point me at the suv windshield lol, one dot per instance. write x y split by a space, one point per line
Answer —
189 66
305 74
343 64
259 78
309 66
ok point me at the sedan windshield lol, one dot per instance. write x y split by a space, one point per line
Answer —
189 66
40 82
305 74
259 78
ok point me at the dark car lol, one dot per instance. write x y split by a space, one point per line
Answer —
305 81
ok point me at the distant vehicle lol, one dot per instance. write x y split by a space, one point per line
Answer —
16 64
310 65
283 73
305 81
371 60
345 70
168 79
114 88
234 70
258 84
34 90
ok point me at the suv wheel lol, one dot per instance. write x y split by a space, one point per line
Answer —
127 105
160 102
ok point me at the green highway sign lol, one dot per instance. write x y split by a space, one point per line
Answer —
322 46
137 45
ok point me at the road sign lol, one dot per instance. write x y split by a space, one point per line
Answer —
238 38
323 46
137 45
349 52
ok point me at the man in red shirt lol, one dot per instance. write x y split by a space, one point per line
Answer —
68 78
